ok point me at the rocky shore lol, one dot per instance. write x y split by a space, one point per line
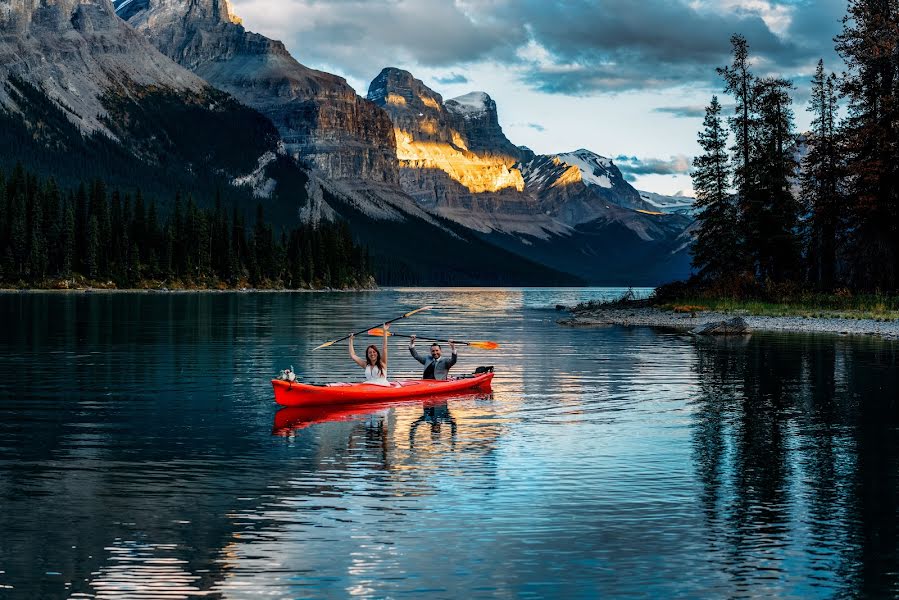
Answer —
656 317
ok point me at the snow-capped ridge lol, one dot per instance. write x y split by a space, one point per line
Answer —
472 103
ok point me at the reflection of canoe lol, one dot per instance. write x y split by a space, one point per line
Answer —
291 418
303 394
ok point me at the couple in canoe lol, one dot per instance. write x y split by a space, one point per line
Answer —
436 365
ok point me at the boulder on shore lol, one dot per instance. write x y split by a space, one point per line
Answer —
735 326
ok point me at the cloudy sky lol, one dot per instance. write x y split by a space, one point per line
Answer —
625 78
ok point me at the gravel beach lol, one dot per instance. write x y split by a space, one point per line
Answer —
655 317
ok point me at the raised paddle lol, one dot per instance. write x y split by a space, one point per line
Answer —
408 314
483 345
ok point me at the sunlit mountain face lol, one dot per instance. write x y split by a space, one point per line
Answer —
460 138
477 173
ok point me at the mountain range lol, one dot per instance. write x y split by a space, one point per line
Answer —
177 94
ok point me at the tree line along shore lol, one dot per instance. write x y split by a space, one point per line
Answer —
806 221
92 238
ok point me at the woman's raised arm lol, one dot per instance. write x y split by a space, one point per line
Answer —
384 346
355 358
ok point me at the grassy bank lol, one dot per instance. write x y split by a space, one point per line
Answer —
779 302
874 307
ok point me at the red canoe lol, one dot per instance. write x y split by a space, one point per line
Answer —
304 394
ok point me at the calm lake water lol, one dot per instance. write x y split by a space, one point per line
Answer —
142 455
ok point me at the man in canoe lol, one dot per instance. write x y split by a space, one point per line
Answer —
436 365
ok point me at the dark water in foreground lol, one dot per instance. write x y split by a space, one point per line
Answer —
138 457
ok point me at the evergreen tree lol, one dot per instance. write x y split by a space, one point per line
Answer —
716 251
777 246
821 182
4 211
869 43
37 246
68 239
740 82
92 257
134 264
18 226
99 208
81 229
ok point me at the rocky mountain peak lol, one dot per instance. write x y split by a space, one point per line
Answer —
215 11
472 104
399 89
77 51
321 119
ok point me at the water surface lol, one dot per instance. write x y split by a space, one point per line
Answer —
142 455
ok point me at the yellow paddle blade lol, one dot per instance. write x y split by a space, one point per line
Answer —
417 310
483 345
325 345
378 331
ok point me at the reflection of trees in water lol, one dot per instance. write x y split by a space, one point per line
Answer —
874 390
795 442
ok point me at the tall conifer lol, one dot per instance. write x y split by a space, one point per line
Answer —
821 188
716 250
869 43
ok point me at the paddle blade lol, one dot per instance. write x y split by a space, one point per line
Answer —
417 310
378 331
483 345
325 345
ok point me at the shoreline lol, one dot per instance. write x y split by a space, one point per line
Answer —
657 317
89 290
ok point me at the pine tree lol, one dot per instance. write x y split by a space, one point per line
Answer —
92 258
821 184
134 264
716 251
741 84
99 208
869 43
81 229
52 224
68 238
777 248
37 245
18 227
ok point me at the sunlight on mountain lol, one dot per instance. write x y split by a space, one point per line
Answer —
570 176
458 141
429 102
229 10
395 99
477 173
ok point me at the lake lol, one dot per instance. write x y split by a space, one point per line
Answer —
142 455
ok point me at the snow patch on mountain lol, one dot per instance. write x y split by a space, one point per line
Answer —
670 204
594 168
470 105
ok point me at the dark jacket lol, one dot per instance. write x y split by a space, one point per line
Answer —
442 365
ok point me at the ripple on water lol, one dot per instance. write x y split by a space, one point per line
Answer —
608 461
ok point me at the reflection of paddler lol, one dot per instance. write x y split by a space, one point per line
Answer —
434 414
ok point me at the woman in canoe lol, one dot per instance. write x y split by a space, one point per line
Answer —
375 363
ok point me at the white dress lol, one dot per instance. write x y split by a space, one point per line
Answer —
373 375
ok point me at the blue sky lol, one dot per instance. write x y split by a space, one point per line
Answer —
623 78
